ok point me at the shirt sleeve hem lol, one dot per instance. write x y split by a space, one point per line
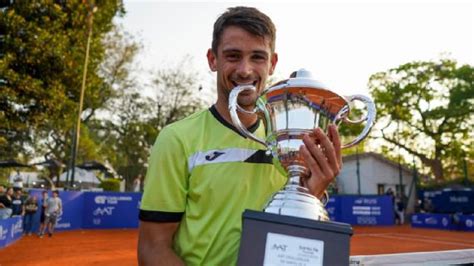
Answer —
160 216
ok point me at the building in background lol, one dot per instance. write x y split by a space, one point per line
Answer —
377 175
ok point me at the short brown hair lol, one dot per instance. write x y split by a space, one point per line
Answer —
248 18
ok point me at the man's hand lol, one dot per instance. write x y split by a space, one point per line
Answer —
322 154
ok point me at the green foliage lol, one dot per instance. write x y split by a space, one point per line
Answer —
41 71
428 110
4 182
434 184
136 120
110 184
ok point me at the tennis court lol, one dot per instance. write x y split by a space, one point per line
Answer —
118 247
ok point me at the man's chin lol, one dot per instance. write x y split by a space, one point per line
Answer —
248 105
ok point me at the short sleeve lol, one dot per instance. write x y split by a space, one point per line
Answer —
166 182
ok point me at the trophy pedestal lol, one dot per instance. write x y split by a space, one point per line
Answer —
272 239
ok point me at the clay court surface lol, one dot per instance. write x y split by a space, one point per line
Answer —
118 247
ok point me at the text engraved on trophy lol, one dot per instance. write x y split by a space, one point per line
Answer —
290 250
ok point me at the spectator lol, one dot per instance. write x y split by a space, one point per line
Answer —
137 183
6 204
399 210
18 208
44 200
390 193
54 208
428 205
31 206
2 189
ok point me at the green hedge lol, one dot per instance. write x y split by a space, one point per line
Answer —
110 184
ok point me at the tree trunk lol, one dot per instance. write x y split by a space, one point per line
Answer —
436 167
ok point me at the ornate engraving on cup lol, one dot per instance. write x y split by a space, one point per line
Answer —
289 109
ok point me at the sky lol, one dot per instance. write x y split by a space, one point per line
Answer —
341 42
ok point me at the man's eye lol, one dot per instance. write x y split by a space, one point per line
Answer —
259 57
232 57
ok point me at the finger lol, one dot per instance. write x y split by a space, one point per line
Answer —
336 141
315 183
318 155
329 152
310 161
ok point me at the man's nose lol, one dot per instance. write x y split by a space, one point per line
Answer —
244 69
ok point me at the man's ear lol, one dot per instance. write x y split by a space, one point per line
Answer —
211 60
274 61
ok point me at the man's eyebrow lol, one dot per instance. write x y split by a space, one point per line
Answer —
233 50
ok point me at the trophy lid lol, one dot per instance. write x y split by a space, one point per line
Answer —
299 78
302 82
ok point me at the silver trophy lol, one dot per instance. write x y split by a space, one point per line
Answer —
289 109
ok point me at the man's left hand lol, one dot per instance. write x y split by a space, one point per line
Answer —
322 154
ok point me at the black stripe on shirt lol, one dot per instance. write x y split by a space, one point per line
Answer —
219 118
160 217
260 156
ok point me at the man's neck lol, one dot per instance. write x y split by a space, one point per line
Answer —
247 120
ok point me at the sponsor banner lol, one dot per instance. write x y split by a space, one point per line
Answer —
361 210
11 229
111 210
450 200
366 210
333 206
432 220
73 204
70 218
466 222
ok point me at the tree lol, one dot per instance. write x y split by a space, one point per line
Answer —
134 120
427 109
177 93
41 70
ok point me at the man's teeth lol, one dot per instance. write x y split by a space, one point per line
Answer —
242 84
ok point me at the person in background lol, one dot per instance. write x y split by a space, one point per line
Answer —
399 209
137 182
31 206
54 208
2 189
18 208
44 199
6 204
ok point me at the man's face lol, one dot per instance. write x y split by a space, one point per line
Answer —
242 58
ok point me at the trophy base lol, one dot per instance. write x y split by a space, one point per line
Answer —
272 239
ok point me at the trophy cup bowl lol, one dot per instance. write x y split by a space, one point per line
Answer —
289 109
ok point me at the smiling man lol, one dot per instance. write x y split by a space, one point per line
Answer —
203 174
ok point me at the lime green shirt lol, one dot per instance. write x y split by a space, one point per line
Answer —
204 174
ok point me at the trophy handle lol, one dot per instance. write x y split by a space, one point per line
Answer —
234 106
370 118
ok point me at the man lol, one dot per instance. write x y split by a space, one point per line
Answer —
137 183
18 208
44 203
54 208
199 179
6 204
31 206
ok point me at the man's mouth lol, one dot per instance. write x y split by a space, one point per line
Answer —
253 83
